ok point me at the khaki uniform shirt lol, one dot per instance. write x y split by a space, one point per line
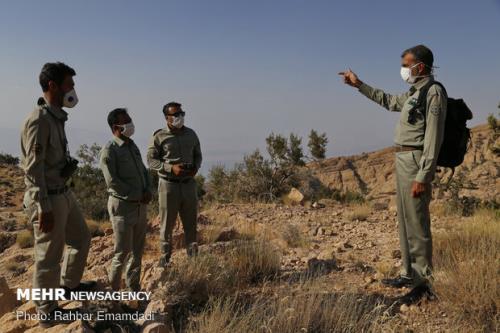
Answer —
43 152
126 176
166 149
416 127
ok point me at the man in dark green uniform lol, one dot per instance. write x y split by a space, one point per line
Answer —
49 202
418 137
174 152
129 188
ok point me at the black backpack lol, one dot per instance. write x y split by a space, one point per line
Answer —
456 134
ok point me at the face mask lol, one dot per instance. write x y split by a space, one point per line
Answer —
407 76
178 122
70 99
128 129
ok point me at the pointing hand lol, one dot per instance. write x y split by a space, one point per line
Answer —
351 79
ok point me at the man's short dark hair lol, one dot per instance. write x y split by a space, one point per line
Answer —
170 105
421 53
54 71
113 116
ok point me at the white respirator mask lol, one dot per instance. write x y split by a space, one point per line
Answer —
70 99
178 122
128 129
407 76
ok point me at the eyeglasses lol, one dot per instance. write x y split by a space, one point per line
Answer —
177 114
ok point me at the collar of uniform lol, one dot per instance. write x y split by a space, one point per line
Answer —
169 131
57 111
121 142
118 141
419 84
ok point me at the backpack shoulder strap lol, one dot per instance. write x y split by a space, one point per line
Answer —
422 97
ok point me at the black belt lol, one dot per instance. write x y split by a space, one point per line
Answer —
58 191
176 180
407 148
131 201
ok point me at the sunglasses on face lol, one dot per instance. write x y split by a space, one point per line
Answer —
177 114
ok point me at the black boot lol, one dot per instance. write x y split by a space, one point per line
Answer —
416 294
82 286
399 282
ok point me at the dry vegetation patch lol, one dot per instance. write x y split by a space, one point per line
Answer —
467 262
359 212
305 311
25 239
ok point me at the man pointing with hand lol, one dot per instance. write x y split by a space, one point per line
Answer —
418 137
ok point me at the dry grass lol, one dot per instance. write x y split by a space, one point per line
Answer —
25 239
95 228
359 212
467 278
386 269
211 233
254 261
304 311
294 237
194 280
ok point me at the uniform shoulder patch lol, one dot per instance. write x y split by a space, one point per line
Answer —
435 110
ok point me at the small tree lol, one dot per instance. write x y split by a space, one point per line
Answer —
90 187
89 155
277 147
317 145
295 153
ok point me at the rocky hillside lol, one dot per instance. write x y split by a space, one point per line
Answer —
373 173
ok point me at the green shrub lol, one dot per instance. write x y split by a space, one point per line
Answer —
91 192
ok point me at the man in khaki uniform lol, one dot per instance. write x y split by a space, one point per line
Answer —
418 138
129 188
174 152
49 203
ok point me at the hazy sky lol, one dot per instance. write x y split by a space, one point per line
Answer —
242 68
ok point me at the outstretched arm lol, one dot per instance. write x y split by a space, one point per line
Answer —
388 101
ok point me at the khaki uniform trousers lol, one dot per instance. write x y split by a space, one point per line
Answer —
129 221
414 220
70 231
177 199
